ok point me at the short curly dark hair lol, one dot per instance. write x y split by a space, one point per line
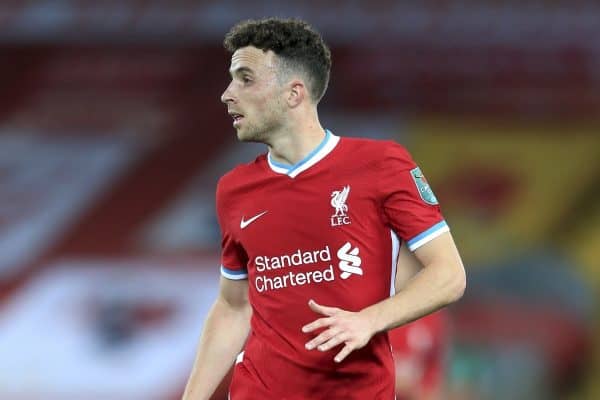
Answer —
298 45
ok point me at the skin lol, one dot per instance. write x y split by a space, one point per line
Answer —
278 110
276 104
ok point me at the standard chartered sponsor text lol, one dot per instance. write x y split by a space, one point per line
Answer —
265 283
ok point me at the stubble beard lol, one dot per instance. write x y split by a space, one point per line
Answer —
252 133
264 131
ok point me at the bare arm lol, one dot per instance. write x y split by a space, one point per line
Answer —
441 282
407 267
224 334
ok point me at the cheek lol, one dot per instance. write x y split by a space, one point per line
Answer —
267 105
267 102
276 101
257 101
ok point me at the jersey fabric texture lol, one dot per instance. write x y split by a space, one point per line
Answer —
327 228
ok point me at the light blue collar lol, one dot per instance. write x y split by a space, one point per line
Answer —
325 147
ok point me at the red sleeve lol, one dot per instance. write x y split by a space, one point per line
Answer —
408 203
233 256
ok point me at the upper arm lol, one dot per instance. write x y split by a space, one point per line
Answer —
234 292
411 209
233 256
407 267
441 252
233 286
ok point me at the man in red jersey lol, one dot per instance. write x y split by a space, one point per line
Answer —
310 234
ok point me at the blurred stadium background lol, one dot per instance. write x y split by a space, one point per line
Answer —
112 138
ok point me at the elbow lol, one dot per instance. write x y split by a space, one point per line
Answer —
457 286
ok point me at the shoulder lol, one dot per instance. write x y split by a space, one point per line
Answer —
237 176
379 151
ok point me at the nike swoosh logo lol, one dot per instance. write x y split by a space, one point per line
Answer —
244 224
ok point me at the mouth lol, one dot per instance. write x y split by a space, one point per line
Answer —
236 118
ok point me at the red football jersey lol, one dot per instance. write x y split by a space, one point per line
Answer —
326 229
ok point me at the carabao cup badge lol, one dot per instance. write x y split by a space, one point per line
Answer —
423 187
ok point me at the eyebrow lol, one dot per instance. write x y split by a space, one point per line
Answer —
240 70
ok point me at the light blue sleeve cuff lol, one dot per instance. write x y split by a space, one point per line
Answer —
234 274
428 235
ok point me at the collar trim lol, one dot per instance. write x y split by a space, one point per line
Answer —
324 148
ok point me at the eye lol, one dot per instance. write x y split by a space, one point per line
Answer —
246 79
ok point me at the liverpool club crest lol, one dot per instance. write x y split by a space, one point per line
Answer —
338 202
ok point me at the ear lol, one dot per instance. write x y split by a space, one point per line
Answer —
297 93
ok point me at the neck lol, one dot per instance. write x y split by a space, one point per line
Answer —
297 141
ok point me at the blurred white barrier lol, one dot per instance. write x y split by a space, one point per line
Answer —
104 330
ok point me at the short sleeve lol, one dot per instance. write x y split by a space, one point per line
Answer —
234 260
408 202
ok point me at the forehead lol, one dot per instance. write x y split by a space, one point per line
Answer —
252 58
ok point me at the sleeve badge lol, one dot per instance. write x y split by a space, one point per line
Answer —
423 187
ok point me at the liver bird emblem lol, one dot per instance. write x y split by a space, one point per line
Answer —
338 201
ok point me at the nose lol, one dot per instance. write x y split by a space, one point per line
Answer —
227 96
